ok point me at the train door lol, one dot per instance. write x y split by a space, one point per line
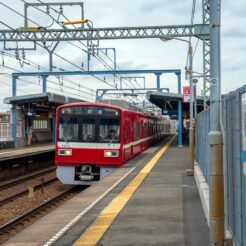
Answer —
128 139
141 135
132 135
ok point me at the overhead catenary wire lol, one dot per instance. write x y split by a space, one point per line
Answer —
57 54
71 63
98 58
30 82
75 27
39 67
54 53
53 19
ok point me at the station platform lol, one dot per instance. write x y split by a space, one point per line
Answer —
13 153
149 201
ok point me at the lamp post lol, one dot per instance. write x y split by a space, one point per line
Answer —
189 171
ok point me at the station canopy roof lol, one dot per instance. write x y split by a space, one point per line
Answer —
168 102
40 101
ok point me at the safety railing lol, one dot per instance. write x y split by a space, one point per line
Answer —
234 153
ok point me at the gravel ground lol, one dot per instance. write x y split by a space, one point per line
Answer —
7 192
21 205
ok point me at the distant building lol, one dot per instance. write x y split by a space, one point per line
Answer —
5 117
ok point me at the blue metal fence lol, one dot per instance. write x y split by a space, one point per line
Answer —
234 129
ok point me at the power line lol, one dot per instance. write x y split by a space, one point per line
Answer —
43 68
71 63
27 81
75 27
45 47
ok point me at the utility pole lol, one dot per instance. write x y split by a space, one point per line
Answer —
190 172
216 188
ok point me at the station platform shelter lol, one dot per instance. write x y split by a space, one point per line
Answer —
39 111
168 102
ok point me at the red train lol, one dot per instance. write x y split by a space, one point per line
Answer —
94 138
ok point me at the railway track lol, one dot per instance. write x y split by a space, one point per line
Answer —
39 210
10 198
27 177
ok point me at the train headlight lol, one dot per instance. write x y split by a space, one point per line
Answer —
111 153
65 152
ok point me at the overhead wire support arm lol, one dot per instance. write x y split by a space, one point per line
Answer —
104 33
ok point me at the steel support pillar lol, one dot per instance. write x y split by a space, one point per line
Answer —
54 127
13 111
206 55
44 79
216 188
14 85
158 81
190 171
180 115
13 114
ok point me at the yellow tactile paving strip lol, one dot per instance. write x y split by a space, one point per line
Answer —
95 232
25 151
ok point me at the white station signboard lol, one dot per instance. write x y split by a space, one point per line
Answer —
186 93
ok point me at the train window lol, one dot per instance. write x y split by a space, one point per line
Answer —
68 129
88 130
137 131
145 130
109 130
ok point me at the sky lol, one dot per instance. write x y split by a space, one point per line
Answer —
130 54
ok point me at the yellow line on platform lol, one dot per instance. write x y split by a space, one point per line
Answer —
94 233
27 148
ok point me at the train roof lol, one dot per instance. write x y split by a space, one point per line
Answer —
104 105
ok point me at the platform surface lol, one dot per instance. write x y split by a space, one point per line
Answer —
7 154
164 210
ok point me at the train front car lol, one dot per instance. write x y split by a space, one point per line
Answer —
88 145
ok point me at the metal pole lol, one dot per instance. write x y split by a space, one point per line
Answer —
25 15
82 14
190 171
195 101
158 81
216 188
51 56
204 95
44 78
13 111
180 118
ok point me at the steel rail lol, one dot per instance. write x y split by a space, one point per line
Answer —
25 192
26 177
26 216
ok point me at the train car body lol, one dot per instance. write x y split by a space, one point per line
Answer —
93 139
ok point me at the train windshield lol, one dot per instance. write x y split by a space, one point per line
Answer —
88 130
89 124
109 130
68 129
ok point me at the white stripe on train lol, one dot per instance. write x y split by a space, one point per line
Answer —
108 146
